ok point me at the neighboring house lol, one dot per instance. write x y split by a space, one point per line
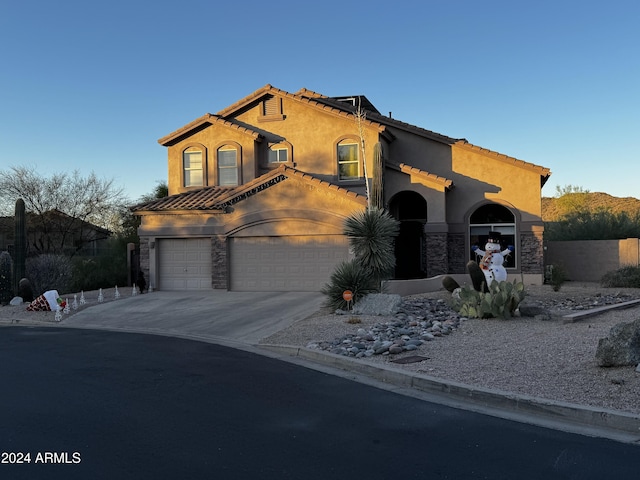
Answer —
55 232
259 192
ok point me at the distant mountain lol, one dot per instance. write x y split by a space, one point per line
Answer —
553 207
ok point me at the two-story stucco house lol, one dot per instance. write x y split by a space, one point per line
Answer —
258 195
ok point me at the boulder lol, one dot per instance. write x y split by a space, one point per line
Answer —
622 346
15 301
528 308
378 304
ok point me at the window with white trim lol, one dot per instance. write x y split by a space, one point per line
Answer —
192 164
278 154
227 166
348 161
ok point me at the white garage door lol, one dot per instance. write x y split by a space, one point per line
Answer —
184 264
276 264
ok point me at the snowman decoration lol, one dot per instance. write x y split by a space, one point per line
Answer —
493 259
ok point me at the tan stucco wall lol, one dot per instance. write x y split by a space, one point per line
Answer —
211 138
480 177
589 260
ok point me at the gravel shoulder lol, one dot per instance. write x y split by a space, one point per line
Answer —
541 358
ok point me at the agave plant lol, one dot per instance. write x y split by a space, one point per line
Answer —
349 275
371 235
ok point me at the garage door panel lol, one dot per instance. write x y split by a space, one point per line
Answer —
184 264
297 263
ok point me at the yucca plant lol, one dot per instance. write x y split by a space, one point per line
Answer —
348 275
371 234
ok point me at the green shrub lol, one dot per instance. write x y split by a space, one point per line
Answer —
500 301
49 272
625 277
105 270
557 277
348 275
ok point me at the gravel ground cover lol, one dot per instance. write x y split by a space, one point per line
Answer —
542 358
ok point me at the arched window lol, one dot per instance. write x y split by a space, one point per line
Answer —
493 218
348 160
279 153
192 164
228 162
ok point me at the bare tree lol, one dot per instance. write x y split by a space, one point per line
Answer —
360 117
63 207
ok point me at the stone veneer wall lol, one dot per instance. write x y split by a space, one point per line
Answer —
144 260
457 253
219 262
531 253
437 258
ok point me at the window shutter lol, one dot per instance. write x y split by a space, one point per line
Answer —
271 106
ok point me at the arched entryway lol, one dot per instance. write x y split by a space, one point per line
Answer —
410 208
493 217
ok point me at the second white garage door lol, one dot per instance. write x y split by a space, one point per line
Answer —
184 263
295 263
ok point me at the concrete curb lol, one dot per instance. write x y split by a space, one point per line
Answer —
592 312
616 425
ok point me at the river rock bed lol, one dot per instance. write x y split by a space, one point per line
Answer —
421 319
416 322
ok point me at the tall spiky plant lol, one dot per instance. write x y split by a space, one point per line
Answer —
361 116
377 186
371 235
20 244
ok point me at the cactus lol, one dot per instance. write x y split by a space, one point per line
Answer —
6 284
20 244
477 277
500 301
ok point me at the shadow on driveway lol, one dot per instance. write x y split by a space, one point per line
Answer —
244 317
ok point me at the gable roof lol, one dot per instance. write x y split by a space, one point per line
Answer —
218 199
340 107
202 123
425 177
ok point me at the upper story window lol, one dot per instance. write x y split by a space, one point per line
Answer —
278 154
192 164
228 166
348 160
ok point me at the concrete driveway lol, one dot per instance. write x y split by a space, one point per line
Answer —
244 317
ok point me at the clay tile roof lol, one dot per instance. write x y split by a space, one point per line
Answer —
218 198
203 122
445 183
192 200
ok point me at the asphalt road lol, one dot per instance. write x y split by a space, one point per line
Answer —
90 404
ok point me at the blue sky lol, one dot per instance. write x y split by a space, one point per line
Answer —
94 85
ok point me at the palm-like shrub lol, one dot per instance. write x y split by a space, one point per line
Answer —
371 235
348 275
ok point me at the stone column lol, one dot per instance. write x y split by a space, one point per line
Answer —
219 262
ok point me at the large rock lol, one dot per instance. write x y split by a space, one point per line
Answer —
622 346
378 304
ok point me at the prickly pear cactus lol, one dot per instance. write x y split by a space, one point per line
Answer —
6 283
501 301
